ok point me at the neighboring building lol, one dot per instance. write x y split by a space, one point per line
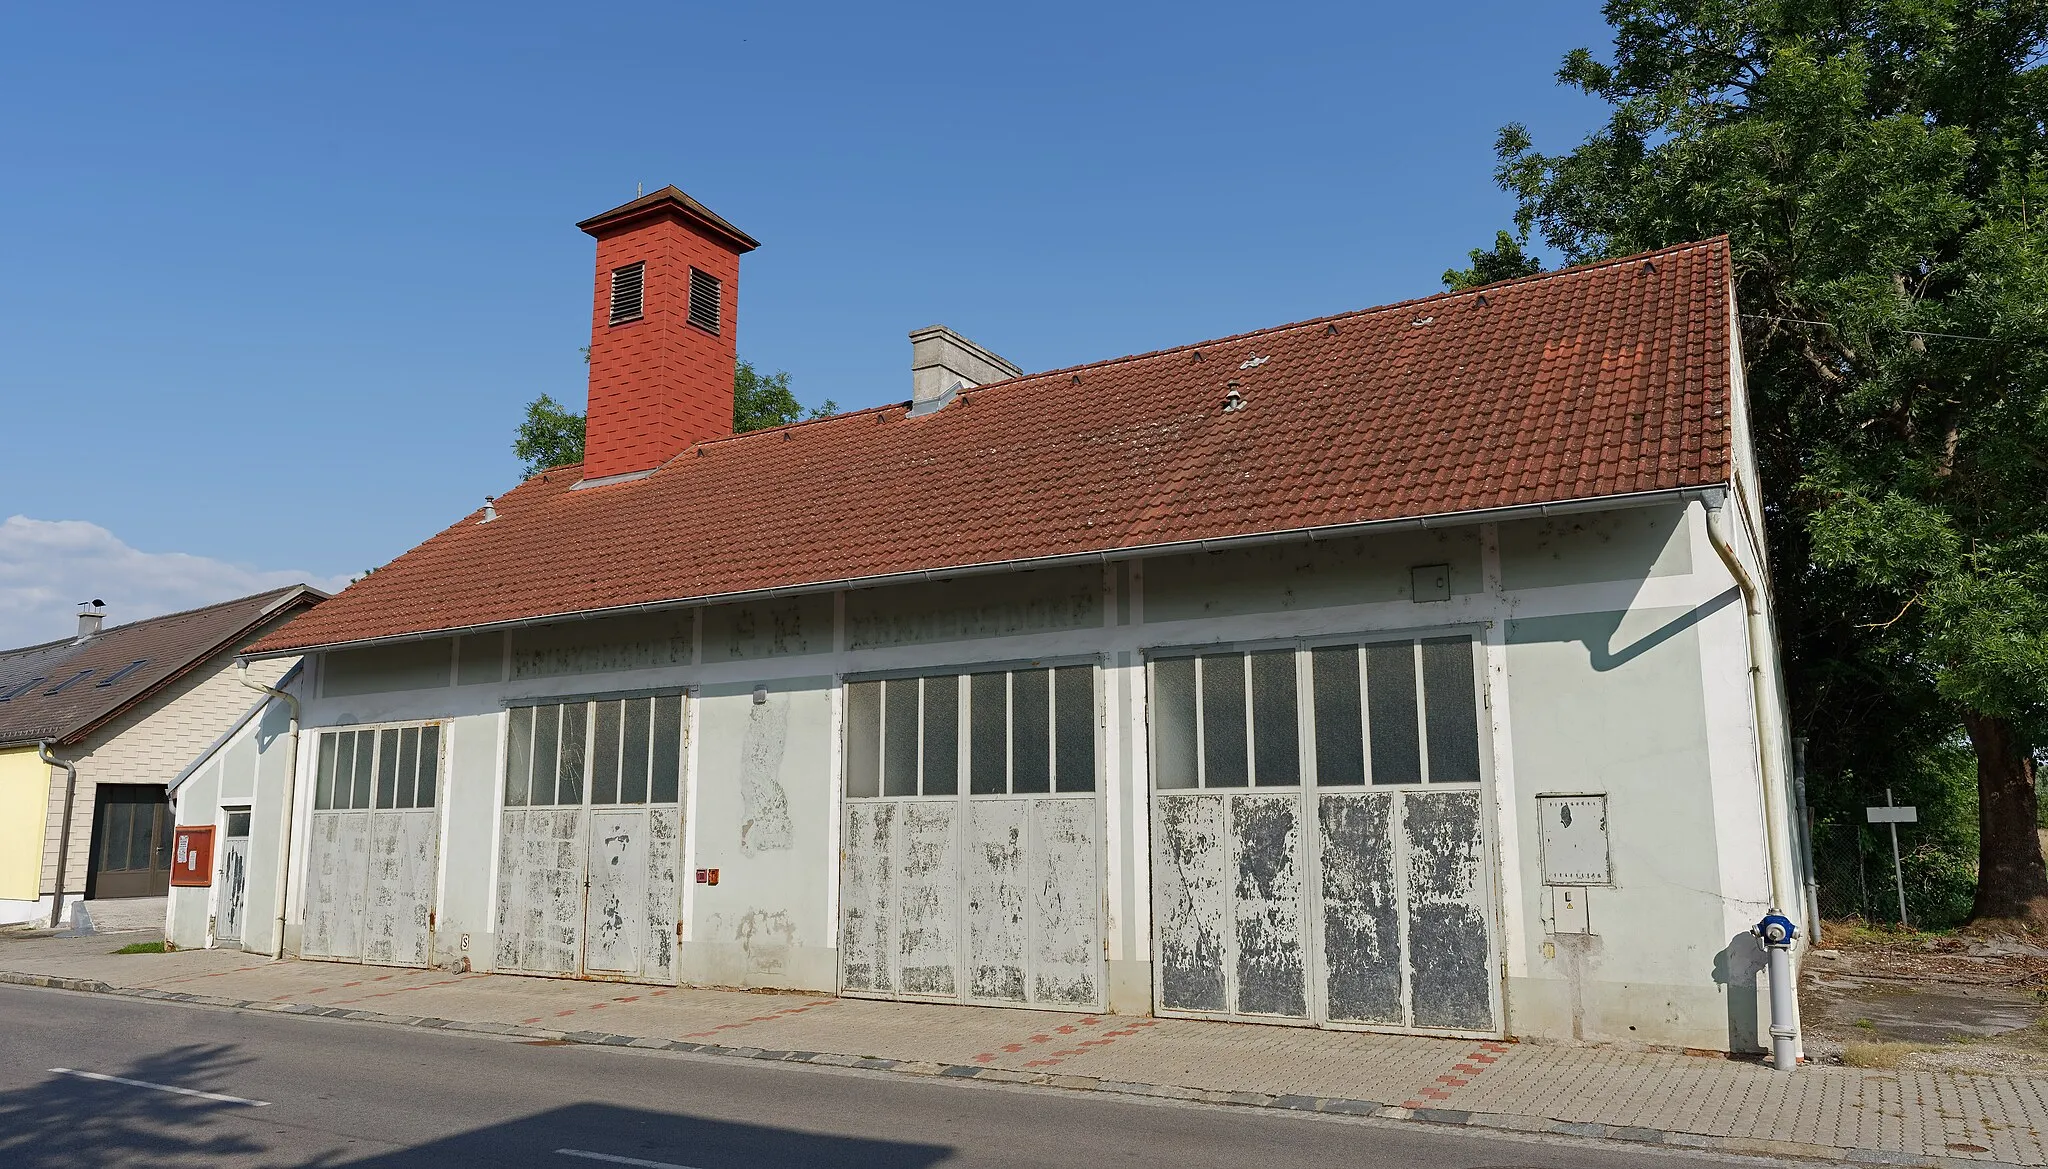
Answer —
1393 670
126 708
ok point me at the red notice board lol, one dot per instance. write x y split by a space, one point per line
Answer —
192 857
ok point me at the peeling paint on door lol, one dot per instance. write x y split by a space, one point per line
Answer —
1064 950
764 814
540 890
1266 840
927 897
1189 893
404 855
865 908
1361 910
616 895
664 891
370 885
1447 934
234 889
996 929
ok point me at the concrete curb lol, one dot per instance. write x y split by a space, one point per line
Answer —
1334 1105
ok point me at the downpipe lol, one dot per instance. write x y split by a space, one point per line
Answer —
291 788
1777 825
64 831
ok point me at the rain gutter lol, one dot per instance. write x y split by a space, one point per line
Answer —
1454 519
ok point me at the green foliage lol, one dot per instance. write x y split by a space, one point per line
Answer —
141 948
763 400
552 435
1878 167
1504 261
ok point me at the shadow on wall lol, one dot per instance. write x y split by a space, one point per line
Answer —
67 1121
1735 969
1600 641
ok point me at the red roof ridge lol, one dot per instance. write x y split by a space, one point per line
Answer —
1270 330
1354 314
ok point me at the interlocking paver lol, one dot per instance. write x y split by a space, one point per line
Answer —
1915 1113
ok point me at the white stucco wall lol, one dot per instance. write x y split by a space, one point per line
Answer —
1615 663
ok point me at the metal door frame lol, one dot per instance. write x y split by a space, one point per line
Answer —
685 777
222 810
1099 667
1309 852
444 746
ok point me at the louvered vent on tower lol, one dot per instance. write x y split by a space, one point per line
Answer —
629 290
704 300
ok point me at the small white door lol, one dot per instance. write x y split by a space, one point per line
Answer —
234 878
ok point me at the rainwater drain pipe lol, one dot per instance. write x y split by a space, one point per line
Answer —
64 831
1777 826
291 787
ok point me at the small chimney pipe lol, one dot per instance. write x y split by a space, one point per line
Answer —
92 614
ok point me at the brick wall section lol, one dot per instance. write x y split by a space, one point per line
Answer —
658 384
149 744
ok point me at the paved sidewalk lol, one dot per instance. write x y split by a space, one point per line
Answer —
1890 1117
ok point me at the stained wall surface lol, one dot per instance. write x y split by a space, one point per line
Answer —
1610 659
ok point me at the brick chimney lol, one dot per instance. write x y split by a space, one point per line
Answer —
663 313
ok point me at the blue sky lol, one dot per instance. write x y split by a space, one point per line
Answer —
276 281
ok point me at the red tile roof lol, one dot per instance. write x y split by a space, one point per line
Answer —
1605 379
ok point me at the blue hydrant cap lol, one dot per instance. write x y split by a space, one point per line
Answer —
1776 929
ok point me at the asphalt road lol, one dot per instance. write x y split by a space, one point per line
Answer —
336 1093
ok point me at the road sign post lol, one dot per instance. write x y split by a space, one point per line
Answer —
1892 815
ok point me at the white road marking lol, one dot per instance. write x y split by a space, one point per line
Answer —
617 1160
163 1087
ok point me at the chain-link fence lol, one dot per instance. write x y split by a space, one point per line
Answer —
1852 866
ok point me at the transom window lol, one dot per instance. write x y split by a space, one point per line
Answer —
621 751
1383 713
1010 732
383 767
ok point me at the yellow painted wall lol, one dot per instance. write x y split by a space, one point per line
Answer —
24 800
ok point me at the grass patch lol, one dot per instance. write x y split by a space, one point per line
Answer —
141 948
1878 1054
1849 933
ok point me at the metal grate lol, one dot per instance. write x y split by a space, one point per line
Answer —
629 289
704 300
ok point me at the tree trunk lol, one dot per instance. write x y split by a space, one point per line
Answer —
2012 882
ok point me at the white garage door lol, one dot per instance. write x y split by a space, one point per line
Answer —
971 840
1324 860
591 839
374 857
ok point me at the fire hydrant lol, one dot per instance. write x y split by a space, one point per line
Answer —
1776 932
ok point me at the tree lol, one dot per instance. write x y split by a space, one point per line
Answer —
1878 167
1504 261
760 401
552 436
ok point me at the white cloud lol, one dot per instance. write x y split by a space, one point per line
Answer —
48 566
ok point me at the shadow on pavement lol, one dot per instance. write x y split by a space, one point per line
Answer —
593 1136
69 1121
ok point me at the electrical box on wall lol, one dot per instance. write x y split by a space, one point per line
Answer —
1574 840
1430 582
